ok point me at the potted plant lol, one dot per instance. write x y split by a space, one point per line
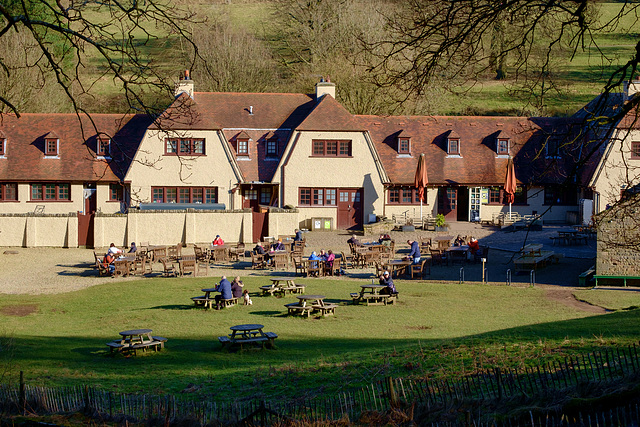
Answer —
441 223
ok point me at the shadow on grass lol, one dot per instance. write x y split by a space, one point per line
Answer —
265 313
173 307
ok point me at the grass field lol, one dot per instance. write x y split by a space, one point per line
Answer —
434 330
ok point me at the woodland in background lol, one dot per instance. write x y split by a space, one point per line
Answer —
288 45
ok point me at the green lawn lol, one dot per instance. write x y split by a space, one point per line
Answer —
618 299
435 329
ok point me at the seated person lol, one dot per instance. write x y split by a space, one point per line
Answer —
384 238
217 241
459 241
414 255
313 257
224 287
259 250
474 247
330 257
277 246
387 281
297 238
236 287
113 250
108 260
323 255
133 249
354 241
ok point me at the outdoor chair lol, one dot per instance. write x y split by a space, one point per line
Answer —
121 268
102 270
301 268
437 256
346 261
188 265
419 269
257 261
168 269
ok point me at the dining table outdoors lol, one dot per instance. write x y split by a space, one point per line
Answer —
311 303
370 295
206 300
397 266
282 285
248 334
570 236
136 339
458 253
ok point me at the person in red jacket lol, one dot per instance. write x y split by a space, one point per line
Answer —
218 241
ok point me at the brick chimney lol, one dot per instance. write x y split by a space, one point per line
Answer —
185 84
325 88
631 87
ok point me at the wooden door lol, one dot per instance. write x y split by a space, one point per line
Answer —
448 202
260 225
350 208
85 219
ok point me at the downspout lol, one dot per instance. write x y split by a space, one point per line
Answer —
234 165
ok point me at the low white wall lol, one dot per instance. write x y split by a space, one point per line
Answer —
283 222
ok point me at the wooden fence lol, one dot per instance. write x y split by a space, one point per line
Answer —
606 365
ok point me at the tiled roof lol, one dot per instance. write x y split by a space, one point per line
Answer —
330 115
478 162
25 159
231 110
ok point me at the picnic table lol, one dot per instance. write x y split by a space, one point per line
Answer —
311 303
570 236
282 285
207 300
249 334
136 339
458 253
532 256
370 294
396 266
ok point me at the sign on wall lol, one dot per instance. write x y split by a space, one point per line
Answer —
484 195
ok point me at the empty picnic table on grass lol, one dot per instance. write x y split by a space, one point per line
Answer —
311 303
249 334
136 339
370 295
282 285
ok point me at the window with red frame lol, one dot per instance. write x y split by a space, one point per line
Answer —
454 146
51 147
317 197
103 146
3 143
185 147
185 194
404 146
243 147
331 148
502 146
9 192
635 150
116 193
495 195
50 192
404 195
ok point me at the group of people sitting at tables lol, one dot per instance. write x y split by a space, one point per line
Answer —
112 254
328 258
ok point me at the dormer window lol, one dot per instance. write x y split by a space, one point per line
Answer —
51 146
243 147
271 142
502 146
103 146
404 143
453 146
552 147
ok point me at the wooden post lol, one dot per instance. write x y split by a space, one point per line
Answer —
393 398
23 395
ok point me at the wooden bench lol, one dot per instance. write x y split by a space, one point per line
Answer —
115 345
268 290
202 301
326 309
229 302
161 340
532 262
355 296
268 338
297 289
295 308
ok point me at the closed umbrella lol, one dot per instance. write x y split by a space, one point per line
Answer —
421 179
510 185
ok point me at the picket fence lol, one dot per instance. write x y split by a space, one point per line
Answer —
606 365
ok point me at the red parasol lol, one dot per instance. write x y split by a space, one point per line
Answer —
421 180
510 184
